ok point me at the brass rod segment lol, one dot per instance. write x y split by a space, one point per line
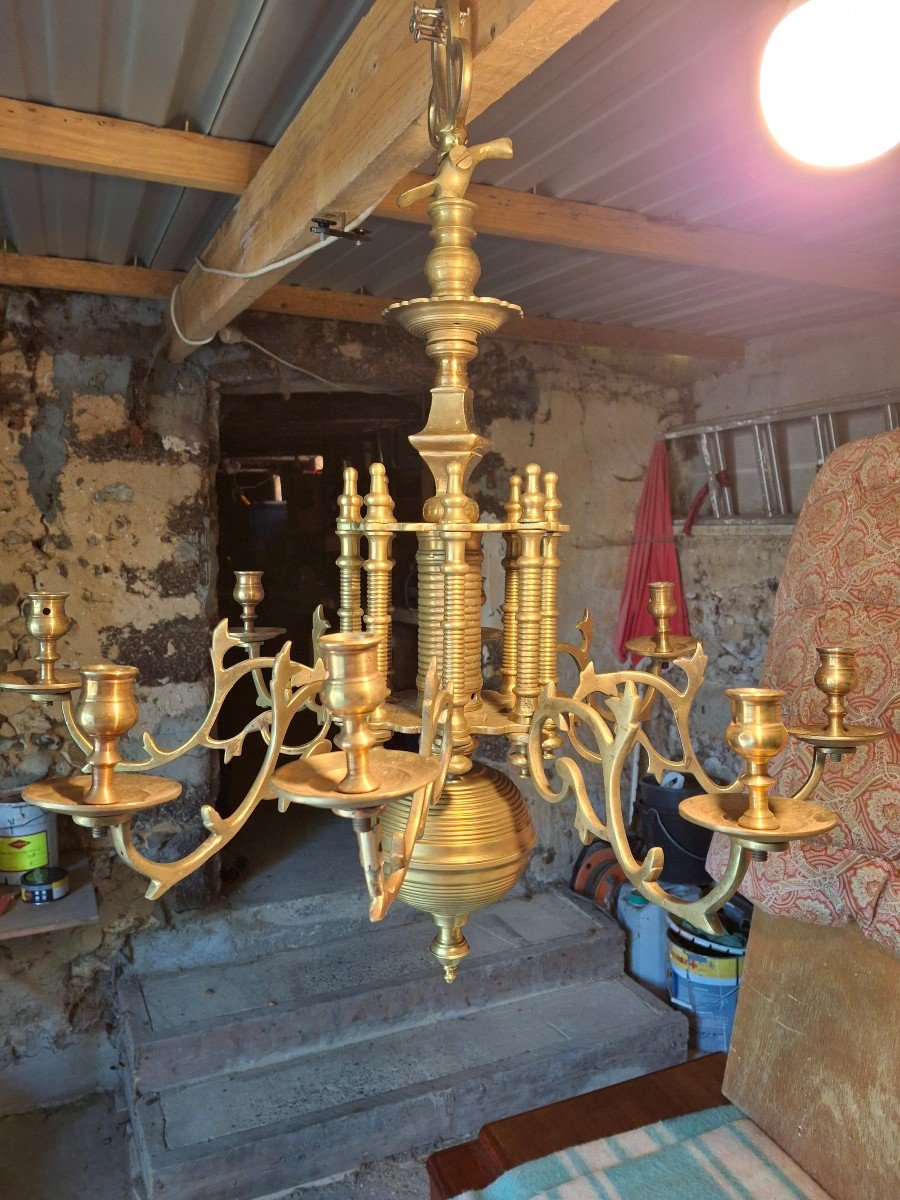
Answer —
378 567
531 535
510 606
455 569
474 604
549 633
350 612
429 560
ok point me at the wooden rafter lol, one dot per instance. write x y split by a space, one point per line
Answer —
72 275
62 137
58 137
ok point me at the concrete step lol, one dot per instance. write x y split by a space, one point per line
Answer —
186 1025
256 1133
238 932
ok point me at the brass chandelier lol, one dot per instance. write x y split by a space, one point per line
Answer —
438 829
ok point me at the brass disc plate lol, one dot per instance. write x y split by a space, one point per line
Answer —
28 681
263 634
314 781
819 737
475 314
136 792
796 818
645 647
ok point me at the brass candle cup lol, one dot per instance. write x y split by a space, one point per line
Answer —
835 677
353 690
757 734
663 645
249 593
661 608
47 621
106 711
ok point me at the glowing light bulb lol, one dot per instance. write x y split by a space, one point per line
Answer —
829 81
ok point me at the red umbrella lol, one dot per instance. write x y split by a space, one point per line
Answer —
653 558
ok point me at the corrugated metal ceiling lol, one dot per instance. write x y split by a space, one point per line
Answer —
652 109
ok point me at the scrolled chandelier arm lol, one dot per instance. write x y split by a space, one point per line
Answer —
755 822
438 829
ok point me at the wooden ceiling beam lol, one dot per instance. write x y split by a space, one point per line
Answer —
361 129
578 226
62 137
73 275
40 134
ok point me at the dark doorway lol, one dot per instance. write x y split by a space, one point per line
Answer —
281 462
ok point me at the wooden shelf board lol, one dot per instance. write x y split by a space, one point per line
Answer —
79 907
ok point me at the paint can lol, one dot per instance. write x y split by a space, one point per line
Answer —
704 978
44 884
27 838
646 941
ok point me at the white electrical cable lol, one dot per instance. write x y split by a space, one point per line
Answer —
235 336
275 266
184 338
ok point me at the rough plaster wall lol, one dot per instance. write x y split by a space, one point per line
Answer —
730 577
809 367
105 487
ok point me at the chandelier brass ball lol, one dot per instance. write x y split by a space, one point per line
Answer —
475 847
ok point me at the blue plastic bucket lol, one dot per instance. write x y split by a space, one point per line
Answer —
704 978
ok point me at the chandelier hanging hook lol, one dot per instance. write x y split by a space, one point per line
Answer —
451 69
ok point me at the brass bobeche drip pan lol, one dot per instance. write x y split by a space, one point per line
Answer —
249 593
835 678
105 712
47 621
754 816
360 775
663 646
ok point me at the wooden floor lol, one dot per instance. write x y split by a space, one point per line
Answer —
690 1087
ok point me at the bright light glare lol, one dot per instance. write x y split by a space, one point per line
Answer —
830 81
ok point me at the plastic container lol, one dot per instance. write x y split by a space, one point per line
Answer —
704 978
684 845
27 838
646 936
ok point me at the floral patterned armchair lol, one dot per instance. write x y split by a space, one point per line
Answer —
841 584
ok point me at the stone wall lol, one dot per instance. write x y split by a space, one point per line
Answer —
105 476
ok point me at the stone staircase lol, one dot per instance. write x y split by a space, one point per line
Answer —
281 1048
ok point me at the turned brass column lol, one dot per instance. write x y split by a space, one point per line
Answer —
378 567
455 569
549 636
510 606
350 563
528 656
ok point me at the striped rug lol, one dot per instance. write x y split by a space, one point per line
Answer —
718 1154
